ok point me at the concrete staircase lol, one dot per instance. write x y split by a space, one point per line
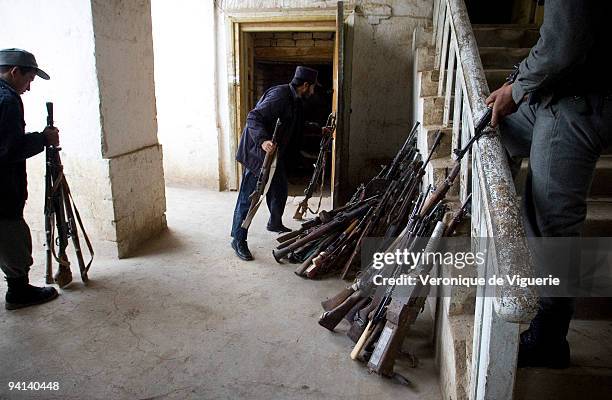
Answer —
590 376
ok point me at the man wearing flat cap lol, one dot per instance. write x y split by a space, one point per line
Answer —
18 68
284 102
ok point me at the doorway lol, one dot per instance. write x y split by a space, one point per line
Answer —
275 57
266 52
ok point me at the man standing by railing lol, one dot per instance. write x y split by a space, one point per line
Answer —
559 114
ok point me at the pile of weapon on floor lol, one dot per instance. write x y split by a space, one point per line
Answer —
395 207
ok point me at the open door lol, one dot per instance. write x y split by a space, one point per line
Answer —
340 159
257 38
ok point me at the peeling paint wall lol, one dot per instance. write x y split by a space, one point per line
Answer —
381 86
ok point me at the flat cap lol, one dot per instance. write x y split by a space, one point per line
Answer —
21 58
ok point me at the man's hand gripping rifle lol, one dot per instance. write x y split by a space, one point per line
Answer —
266 174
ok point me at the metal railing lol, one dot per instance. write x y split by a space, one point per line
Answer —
495 209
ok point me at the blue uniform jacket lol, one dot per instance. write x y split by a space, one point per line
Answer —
15 147
277 102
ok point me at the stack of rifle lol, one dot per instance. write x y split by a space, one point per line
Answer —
379 316
332 241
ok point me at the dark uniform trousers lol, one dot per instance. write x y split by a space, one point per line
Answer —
15 248
563 140
276 198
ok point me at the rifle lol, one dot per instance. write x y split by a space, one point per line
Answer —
299 271
400 312
339 306
403 311
459 216
60 208
412 188
319 170
339 221
266 174
381 306
402 153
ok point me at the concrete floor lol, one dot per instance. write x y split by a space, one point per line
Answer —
186 319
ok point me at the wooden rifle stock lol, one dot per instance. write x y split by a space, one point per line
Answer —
338 299
401 313
458 217
362 317
441 191
299 271
328 255
330 319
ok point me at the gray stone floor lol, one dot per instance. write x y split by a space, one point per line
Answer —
185 319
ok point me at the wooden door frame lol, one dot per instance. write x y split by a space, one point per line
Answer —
240 24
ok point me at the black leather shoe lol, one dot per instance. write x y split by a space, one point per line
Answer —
542 353
242 250
21 294
278 229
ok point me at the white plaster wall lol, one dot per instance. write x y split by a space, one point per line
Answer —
60 34
184 45
124 61
104 106
65 51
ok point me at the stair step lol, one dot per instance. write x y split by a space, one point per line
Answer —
593 308
502 57
429 83
424 58
599 218
506 35
429 132
602 181
496 77
591 367
433 110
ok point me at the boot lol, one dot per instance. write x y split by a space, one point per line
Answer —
21 294
278 228
242 249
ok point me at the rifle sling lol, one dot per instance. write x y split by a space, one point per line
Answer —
60 182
